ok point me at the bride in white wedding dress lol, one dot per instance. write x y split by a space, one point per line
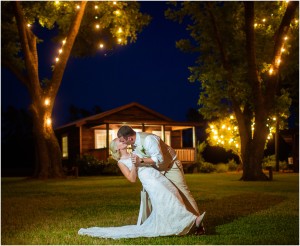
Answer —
169 215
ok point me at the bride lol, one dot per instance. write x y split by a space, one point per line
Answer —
169 215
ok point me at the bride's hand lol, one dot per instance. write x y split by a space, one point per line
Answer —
134 159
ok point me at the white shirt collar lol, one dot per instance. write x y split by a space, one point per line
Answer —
137 139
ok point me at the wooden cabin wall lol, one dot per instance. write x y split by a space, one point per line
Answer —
176 139
88 139
73 145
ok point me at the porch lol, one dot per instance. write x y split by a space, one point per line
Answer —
185 155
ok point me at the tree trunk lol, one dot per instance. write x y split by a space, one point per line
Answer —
252 165
48 154
253 154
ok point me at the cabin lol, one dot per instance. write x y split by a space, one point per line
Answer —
91 135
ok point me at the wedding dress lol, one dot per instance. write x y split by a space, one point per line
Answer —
168 217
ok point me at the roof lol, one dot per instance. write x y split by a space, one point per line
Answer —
133 112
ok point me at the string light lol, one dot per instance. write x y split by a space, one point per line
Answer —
271 71
278 61
48 121
47 102
97 26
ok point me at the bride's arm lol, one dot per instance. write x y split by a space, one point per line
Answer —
129 174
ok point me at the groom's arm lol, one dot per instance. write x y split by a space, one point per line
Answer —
152 147
142 161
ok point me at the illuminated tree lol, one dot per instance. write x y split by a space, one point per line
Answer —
224 132
82 28
246 49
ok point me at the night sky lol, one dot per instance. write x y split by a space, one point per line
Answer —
151 71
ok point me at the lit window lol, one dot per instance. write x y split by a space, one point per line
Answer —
65 152
100 138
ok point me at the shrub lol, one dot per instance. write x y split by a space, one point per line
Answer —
232 165
270 161
89 166
111 167
221 168
206 167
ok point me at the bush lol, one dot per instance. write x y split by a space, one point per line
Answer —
206 167
111 167
270 161
232 165
221 168
89 166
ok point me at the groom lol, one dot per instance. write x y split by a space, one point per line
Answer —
151 151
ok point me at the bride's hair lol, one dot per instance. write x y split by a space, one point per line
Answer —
115 153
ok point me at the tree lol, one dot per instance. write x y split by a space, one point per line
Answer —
224 132
79 113
245 50
117 23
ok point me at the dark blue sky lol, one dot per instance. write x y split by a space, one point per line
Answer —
152 72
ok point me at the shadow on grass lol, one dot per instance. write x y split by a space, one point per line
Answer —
228 209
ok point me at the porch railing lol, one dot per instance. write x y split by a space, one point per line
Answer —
186 155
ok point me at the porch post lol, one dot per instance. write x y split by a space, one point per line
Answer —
194 143
80 140
143 127
107 140
163 135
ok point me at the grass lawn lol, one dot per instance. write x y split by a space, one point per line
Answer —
238 212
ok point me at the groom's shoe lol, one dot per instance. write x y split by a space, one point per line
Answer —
200 230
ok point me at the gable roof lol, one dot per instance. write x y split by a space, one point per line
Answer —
134 110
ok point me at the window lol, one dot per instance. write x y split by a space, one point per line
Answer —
167 136
65 151
100 138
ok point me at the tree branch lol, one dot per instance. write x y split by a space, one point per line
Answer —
250 51
224 59
28 44
61 65
272 83
223 55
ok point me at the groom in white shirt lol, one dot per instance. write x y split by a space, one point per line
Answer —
150 150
